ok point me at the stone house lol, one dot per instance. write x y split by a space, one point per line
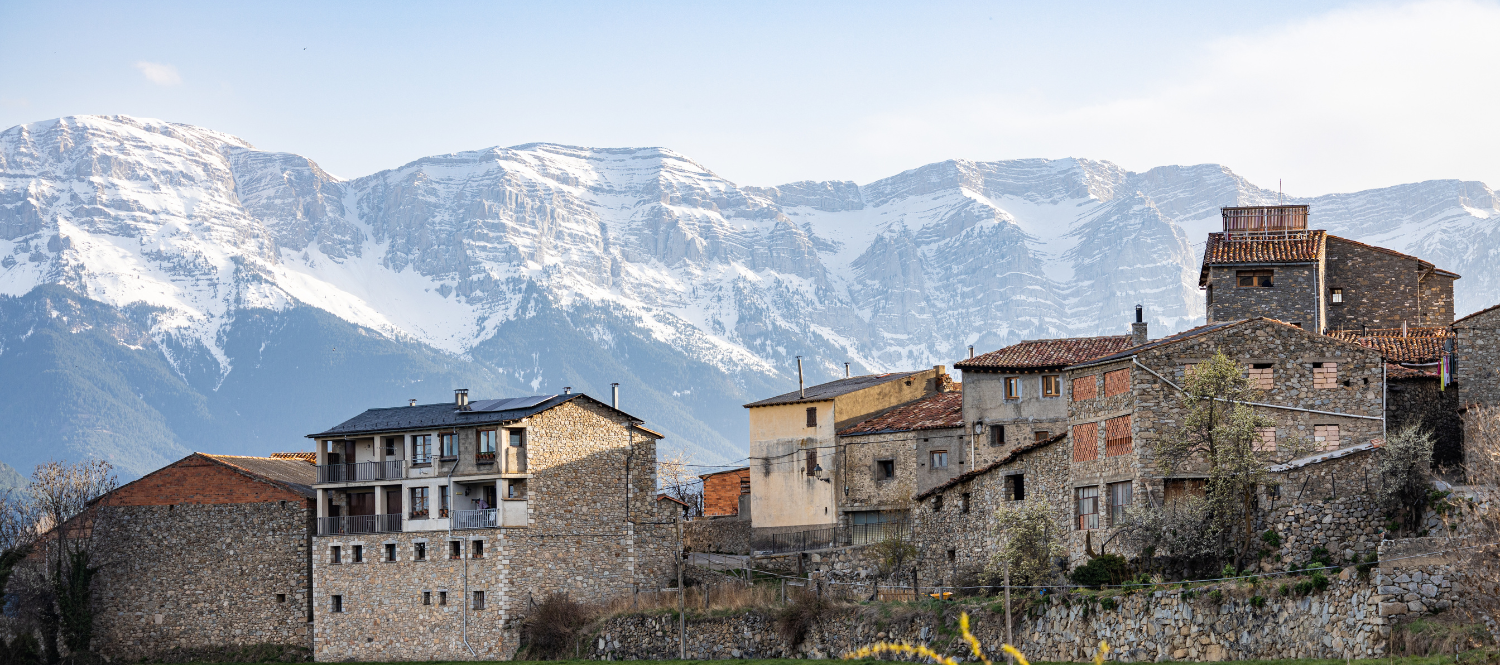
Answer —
889 458
795 473
440 525
1324 393
954 523
1267 262
1415 393
725 492
210 552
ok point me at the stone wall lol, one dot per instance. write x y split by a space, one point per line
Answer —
1476 367
1417 401
1329 505
724 535
196 576
1293 298
1383 289
911 453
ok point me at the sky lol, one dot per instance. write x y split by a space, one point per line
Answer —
1320 96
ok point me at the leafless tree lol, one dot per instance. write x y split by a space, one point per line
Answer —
675 473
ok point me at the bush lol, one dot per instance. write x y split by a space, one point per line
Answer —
23 650
1258 601
798 616
1107 604
551 629
1216 595
1101 570
1271 538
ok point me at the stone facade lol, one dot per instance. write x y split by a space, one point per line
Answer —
1476 369
724 535
909 455
1293 297
1414 399
1381 288
585 537
202 556
1329 505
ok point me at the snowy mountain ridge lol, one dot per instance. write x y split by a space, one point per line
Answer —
187 231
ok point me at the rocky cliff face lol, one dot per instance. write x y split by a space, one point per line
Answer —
526 269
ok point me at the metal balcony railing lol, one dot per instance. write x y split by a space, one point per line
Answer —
476 519
346 524
829 537
359 472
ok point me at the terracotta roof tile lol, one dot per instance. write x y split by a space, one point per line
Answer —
1298 247
935 412
310 458
1395 372
1418 345
1039 353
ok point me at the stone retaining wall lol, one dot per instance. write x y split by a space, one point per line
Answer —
723 535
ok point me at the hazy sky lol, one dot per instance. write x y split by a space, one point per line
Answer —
1327 96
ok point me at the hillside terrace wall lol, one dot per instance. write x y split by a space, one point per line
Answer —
578 544
1329 504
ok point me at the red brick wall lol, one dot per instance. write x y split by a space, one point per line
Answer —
198 480
721 493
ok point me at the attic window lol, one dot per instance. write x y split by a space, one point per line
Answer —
1253 278
812 416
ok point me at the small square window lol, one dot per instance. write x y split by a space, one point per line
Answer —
1041 435
1051 385
1254 278
939 459
887 469
442 597
1012 387
1017 486
419 551
336 554
479 549
478 600
997 435
952 555
1336 296
455 549
426 597
280 597
359 553
338 604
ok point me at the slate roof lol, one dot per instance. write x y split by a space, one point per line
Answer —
1481 312
939 411
1317 458
1012 456
1043 353
1419 345
294 474
1423 263
827 391
441 416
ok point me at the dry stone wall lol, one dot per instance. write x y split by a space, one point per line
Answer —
723 535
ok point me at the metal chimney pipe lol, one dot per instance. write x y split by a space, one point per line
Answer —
1138 318
461 397
567 390
846 370
971 351
614 395
801 390
412 402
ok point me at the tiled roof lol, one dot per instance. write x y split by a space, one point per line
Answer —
440 416
719 473
1395 372
1299 247
936 412
1170 339
1040 353
310 458
827 391
1012 456
294 474
1419 345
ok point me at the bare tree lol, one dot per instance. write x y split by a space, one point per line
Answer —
1479 516
1406 475
679 481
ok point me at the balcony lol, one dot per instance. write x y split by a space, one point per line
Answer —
510 514
353 524
359 472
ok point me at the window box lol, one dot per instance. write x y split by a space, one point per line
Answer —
484 458
419 514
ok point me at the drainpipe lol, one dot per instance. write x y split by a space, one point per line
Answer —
846 370
452 509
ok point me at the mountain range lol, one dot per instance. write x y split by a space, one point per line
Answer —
166 288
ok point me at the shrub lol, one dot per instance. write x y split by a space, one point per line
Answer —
1405 467
1320 557
551 628
1258 601
1107 604
1271 538
1101 570
798 616
1216 595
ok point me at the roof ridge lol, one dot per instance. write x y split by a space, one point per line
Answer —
1007 459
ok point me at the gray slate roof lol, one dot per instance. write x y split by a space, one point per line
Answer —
440 416
295 474
827 391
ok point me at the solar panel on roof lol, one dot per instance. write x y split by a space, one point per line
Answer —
510 404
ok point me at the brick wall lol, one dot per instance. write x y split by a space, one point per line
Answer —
196 479
1294 296
1382 289
721 492
199 575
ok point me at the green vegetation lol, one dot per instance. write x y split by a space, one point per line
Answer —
1409 660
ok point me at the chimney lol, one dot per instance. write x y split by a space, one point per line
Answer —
940 379
413 402
801 390
846 370
971 352
567 390
614 395
461 398
1138 329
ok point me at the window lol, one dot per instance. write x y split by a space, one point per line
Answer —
421 449
939 459
486 442
1085 442
952 555
1325 375
963 502
1051 385
1087 499
1085 387
1119 501
1265 441
359 554
390 447
419 551
337 604
885 469
744 486
515 489
1016 486
419 503
997 435
455 549
1117 436
937 503
517 438
448 444
390 551
1012 387
812 416
1336 296
442 597
1116 382
1253 278
812 462
442 501
1325 437
280 597
426 597
335 554
1260 376
1041 435
478 549
478 600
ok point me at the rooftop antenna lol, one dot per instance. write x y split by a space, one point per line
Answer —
801 391
1278 191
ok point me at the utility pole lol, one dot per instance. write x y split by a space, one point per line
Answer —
1008 639
681 596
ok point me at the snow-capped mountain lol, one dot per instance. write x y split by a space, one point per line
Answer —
165 287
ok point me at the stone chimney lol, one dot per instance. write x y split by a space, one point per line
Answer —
1138 329
942 381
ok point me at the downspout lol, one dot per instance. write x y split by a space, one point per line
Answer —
1384 390
452 509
